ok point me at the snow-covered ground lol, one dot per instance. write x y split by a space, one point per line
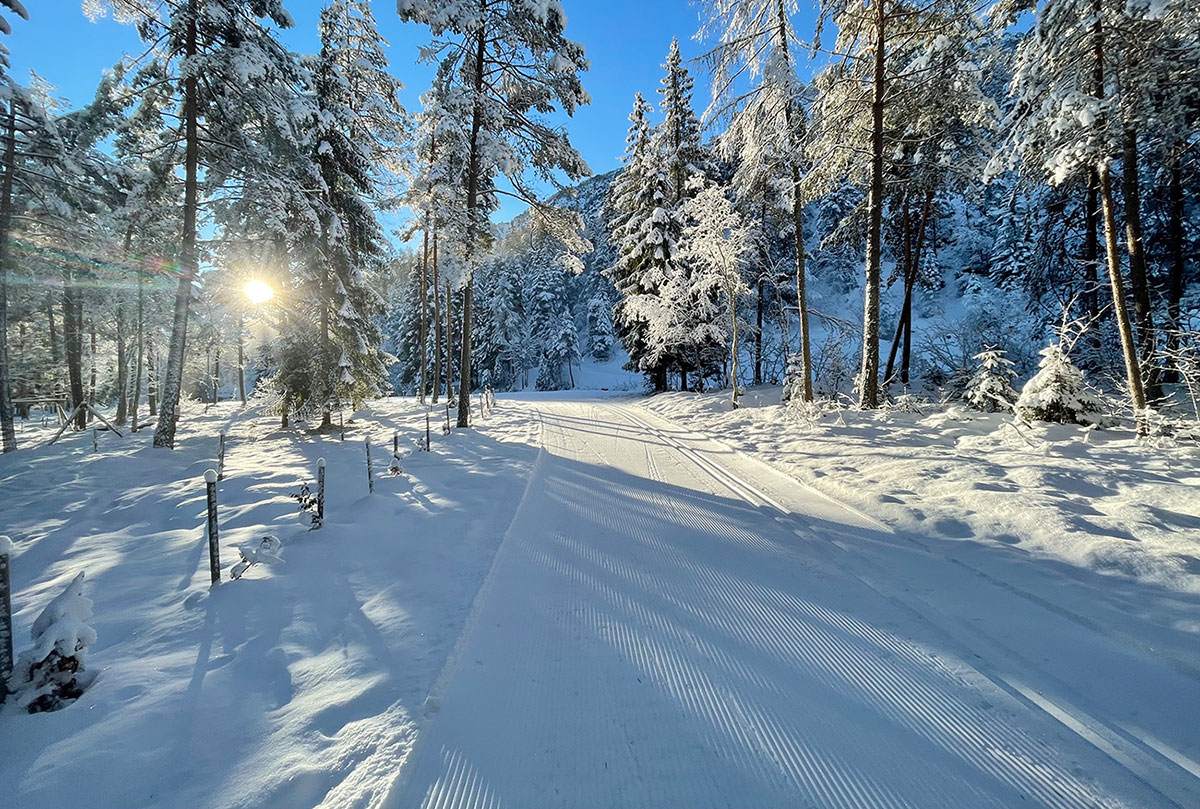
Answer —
1098 499
292 687
591 601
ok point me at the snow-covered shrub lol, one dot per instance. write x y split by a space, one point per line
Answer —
990 388
909 403
1057 392
53 673
308 503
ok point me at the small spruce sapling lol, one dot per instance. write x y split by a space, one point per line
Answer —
53 673
990 389
1057 393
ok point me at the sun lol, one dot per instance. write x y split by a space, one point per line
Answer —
259 291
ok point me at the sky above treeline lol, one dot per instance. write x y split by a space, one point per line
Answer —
626 41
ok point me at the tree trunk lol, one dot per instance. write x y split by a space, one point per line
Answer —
1132 370
423 287
474 168
869 372
437 324
122 370
241 361
449 345
151 378
73 345
92 364
8 429
733 352
216 378
53 330
168 414
758 335
1091 251
1138 282
1175 238
326 350
137 377
797 216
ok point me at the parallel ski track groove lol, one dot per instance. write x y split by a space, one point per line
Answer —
1151 757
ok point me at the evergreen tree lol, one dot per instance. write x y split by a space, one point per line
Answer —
990 388
1057 392
505 62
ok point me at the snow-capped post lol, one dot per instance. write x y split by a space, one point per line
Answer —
6 636
320 490
221 457
370 478
341 426
214 550
427 445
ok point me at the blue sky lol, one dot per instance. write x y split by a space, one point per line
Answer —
626 41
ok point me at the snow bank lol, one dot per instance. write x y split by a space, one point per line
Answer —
1097 499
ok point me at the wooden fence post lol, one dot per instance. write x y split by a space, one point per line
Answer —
396 440
446 429
6 636
321 490
370 477
427 444
221 458
342 425
214 548
95 446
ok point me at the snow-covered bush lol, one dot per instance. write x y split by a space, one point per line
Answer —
990 388
53 673
1057 392
308 503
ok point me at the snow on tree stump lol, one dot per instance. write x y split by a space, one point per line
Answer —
53 674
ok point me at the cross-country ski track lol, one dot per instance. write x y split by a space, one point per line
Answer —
668 623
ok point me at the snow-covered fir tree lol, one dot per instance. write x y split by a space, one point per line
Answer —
990 388
1057 392
507 63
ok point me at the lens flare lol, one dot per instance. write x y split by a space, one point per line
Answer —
259 291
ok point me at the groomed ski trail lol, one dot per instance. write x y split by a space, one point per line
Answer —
668 624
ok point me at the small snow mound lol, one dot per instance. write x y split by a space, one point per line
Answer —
52 674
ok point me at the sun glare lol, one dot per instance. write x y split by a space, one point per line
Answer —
259 291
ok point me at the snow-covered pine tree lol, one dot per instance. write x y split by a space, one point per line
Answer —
677 137
990 388
245 91
648 276
559 351
507 63
359 133
767 123
600 328
1057 392
716 246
